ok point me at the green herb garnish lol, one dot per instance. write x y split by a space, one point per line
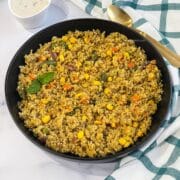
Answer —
92 101
71 113
36 84
94 56
46 78
34 87
53 45
63 44
45 131
103 77
77 108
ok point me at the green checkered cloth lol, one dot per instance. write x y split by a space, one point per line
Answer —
160 158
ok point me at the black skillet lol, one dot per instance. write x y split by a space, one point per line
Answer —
60 29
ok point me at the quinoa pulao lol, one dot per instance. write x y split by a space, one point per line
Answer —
88 93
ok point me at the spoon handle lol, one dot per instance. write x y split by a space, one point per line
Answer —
172 57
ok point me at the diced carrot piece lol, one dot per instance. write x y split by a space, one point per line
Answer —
114 49
120 57
67 87
42 58
84 100
131 65
50 85
135 97
32 76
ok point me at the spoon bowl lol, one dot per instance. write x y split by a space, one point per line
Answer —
119 15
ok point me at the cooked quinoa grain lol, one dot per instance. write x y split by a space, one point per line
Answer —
89 94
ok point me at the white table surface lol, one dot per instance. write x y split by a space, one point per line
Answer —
19 158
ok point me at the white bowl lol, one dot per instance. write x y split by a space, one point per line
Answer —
34 21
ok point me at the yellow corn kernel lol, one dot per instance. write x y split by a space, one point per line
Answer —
64 38
109 52
100 88
84 118
87 68
44 101
109 107
62 80
60 68
122 141
46 119
151 76
78 64
97 83
139 133
113 125
86 40
128 138
115 58
85 85
80 134
78 95
42 58
35 122
70 46
128 130
107 91
72 40
126 55
86 76
135 124
88 63
58 123
127 144
97 122
91 152
61 57
110 79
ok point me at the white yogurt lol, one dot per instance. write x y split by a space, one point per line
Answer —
27 8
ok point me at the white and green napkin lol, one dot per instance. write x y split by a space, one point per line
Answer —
160 158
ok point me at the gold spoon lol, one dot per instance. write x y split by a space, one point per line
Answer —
118 15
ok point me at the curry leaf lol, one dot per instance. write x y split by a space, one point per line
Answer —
46 78
34 87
